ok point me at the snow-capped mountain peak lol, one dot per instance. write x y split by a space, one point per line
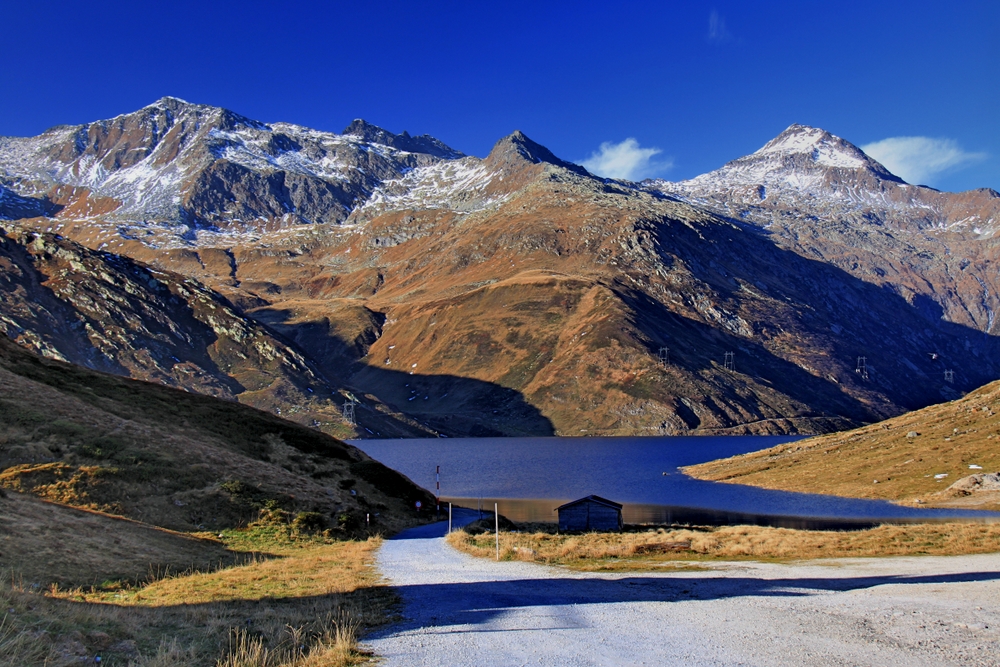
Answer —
819 145
807 170
802 160
169 102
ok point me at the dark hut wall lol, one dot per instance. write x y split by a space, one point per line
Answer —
575 517
603 517
589 515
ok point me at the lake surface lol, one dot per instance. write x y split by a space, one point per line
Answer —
530 477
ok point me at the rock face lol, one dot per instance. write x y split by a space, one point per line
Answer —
196 166
803 288
110 313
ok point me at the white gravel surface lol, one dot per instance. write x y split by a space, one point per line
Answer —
461 610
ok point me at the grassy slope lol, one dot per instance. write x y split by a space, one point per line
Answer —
950 437
175 459
49 543
95 471
655 549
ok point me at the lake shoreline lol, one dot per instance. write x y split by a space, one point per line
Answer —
532 476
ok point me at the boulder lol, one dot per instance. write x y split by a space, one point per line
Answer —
978 482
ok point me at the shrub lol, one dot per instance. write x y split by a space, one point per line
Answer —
309 522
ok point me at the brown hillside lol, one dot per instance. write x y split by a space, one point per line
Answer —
116 315
912 458
178 460
93 572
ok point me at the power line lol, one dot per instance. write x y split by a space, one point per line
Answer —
730 362
862 368
348 413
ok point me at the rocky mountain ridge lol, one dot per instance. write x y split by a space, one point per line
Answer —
808 171
518 294
820 196
191 166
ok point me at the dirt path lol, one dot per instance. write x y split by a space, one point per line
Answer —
893 611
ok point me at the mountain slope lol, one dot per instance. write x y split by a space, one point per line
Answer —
506 293
822 197
113 314
175 459
910 458
518 294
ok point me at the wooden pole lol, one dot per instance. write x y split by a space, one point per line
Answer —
496 517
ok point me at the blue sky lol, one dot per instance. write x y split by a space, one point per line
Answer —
692 84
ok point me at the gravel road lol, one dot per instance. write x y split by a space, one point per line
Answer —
461 610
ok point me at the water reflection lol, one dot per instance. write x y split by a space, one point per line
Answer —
533 476
538 510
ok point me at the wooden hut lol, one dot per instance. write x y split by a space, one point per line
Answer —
590 513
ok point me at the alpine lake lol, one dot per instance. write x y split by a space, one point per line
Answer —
529 477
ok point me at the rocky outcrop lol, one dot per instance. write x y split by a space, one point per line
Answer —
112 314
975 483
424 143
515 149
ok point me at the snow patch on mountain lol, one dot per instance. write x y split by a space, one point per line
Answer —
800 160
807 171
820 146
808 174
186 164
459 185
297 149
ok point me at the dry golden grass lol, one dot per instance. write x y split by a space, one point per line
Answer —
654 548
301 606
884 460
336 646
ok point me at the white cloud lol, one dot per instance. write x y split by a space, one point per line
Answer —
717 31
919 159
626 160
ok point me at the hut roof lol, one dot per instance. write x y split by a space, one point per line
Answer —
593 499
